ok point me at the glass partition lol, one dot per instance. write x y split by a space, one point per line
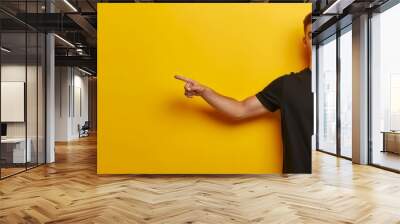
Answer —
22 88
32 96
41 107
15 150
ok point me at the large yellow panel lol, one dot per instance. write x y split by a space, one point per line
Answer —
145 123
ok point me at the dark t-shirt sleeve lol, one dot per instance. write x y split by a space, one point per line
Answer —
271 96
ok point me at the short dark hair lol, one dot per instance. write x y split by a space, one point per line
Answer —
307 20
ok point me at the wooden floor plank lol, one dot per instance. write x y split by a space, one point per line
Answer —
70 191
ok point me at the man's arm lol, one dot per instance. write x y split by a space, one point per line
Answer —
233 108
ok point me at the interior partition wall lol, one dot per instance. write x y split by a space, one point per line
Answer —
334 94
22 89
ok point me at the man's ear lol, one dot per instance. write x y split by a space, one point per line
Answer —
304 41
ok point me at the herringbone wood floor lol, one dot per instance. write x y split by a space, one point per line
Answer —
69 191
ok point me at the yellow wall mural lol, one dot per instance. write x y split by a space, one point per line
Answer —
145 123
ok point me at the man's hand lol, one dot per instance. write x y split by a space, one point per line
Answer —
235 109
192 88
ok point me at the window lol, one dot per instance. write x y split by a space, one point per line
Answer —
346 93
385 89
327 96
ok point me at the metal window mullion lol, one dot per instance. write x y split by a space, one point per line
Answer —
26 87
73 92
317 96
45 94
338 95
369 90
37 91
0 95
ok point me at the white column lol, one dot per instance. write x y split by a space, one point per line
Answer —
50 92
360 90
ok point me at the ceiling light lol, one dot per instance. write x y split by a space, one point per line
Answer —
5 50
84 71
65 41
70 5
337 7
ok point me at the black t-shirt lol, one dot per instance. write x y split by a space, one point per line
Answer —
293 96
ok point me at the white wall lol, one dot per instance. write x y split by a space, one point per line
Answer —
62 81
81 84
33 127
71 92
16 72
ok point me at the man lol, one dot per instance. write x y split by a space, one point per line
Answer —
290 93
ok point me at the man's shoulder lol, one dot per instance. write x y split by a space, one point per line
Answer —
295 75
291 76
304 71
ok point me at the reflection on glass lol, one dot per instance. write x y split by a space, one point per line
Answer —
41 98
31 101
15 151
346 93
22 90
385 87
327 96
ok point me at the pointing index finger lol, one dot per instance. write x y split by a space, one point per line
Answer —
180 77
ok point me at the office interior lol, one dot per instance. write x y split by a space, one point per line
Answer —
47 81
49 93
335 73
